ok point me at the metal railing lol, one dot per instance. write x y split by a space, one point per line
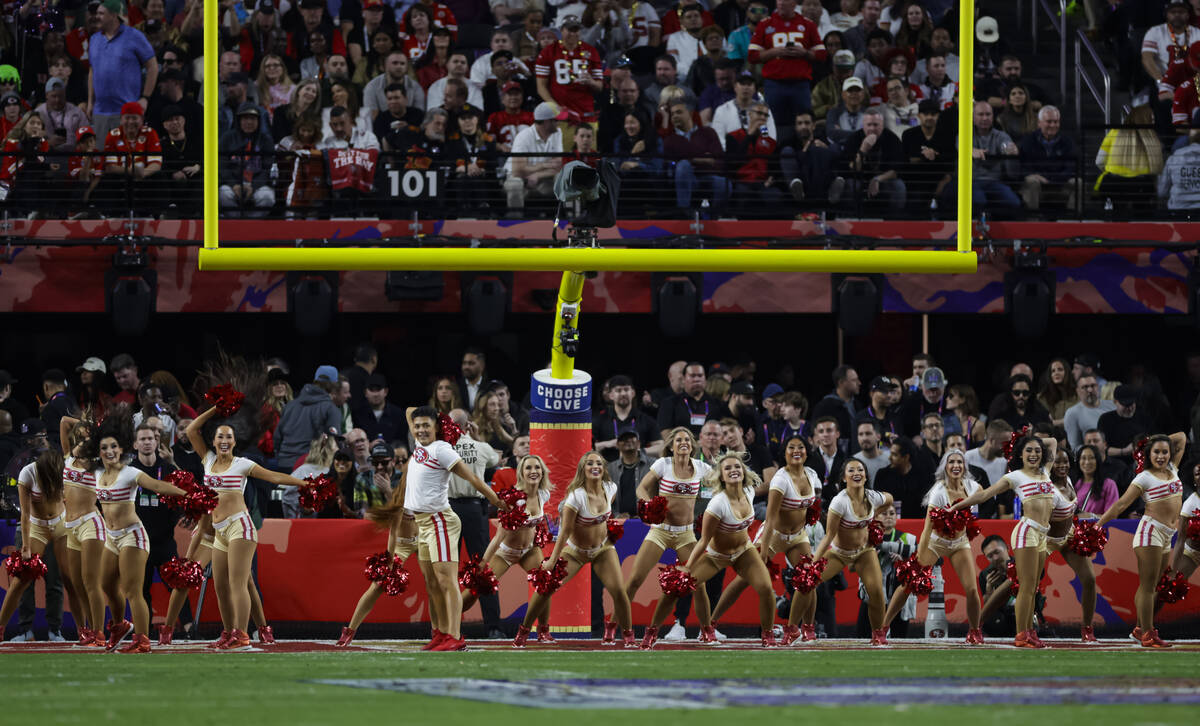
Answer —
1059 23
1083 79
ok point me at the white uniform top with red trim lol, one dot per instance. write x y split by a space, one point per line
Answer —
561 66
428 488
1191 506
1029 487
842 506
642 18
146 148
543 497
1065 505
1169 46
727 521
939 497
778 32
792 499
672 485
578 501
123 488
232 479
1155 489
28 477
74 477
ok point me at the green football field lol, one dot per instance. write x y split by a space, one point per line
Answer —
311 683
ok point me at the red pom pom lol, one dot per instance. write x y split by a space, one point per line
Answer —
1088 539
676 582
397 580
319 491
448 431
946 523
917 578
774 569
874 533
616 530
542 536
225 399
30 569
1011 571
1139 455
185 480
197 502
653 511
378 566
477 577
972 525
1193 527
181 574
512 496
806 575
1172 589
546 582
813 515
513 519
1012 441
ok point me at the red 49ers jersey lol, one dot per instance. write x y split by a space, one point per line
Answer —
1186 101
561 66
504 125
777 32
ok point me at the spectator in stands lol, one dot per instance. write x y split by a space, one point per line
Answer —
57 403
60 118
182 158
376 17
474 153
847 16
344 95
1178 184
1085 414
1048 163
373 487
873 456
1124 425
456 69
930 154
995 163
246 169
398 121
739 38
928 398
504 71
756 456
829 457
1130 160
827 93
1165 46
703 73
1020 408
855 37
872 158
665 76
627 469
380 418
481 68
1095 493
751 155
170 92
236 86
1017 118
697 156
686 45
263 34
306 105
846 118
604 30
938 86
134 155
118 55
569 73
62 67
525 39
915 31
872 67
85 168
303 168
494 424
807 164
1111 467
734 114
900 108
275 86
787 54
432 63
314 20
24 170
125 372
904 478
839 403
505 124
814 11
395 70
995 90
534 174
310 414
637 148
691 407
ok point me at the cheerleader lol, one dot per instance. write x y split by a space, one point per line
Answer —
723 543
952 481
1157 483
583 539
516 546
40 492
845 544
1062 527
677 478
235 538
127 546
85 530
1028 478
792 491
1186 557
402 542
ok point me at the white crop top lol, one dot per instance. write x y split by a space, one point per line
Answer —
578 500
28 477
123 489
1191 506
1027 487
81 478
727 521
232 479
1154 489
782 483
428 488
670 485
1065 505
939 497
842 507
543 497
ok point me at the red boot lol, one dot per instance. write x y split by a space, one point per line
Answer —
791 633
610 632
117 633
165 634
974 636
1086 635
628 639
219 643
879 637
437 638
139 644
651 638
1150 639
266 635
808 632
708 635
522 637
768 639
544 636
346 637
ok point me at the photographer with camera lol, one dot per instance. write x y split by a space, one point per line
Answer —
895 547
999 617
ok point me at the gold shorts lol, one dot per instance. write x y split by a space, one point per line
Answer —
437 536
513 555
1191 553
132 536
1058 544
403 547
849 557
670 536
46 530
239 526
88 527
943 547
1028 534
782 542
724 559
584 556
1152 533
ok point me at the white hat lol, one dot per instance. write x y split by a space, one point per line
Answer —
93 364
852 82
987 30
545 112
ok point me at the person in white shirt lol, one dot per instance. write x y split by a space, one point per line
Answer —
1085 415
481 69
734 113
534 174
869 434
848 16
686 45
456 68
343 134
1168 43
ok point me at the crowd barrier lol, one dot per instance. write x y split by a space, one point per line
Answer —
312 571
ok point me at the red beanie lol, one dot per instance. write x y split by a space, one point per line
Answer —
132 108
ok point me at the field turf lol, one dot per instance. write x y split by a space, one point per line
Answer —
842 683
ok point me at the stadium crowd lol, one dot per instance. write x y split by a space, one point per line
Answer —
343 423
328 107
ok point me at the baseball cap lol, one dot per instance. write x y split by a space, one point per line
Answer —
9 99
544 112
326 373
376 380
852 82
844 59
502 53
55 84
6 379
380 450
718 367
628 434
929 106
171 111
512 86
54 375
84 131
987 30
132 108
933 378
276 374
93 363
741 388
1125 394
622 61
882 383
31 427
745 77
772 389
372 4
571 23
267 6
247 108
